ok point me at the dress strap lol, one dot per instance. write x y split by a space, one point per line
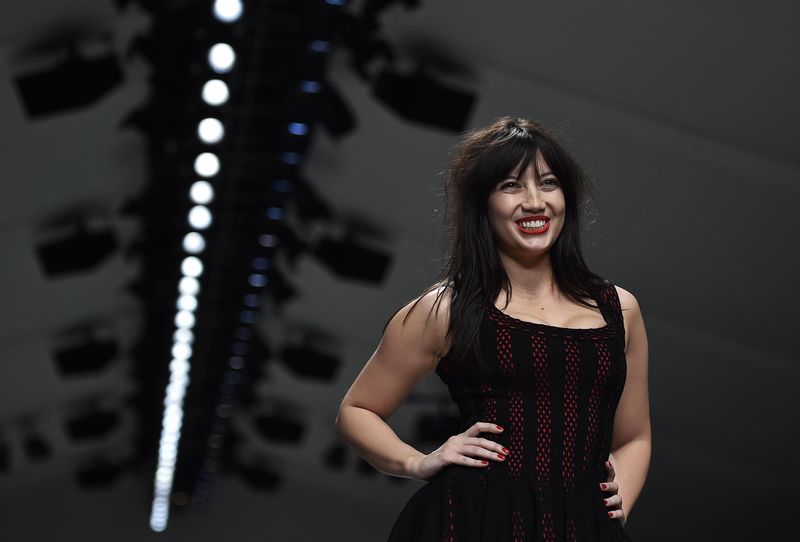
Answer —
611 308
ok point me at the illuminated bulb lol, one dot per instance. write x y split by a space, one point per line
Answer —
193 243
189 286
206 164
228 11
215 92
201 192
221 57
199 217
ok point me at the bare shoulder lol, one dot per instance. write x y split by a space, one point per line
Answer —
631 312
627 300
430 313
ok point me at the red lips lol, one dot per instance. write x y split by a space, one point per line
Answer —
533 231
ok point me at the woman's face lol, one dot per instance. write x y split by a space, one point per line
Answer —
526 214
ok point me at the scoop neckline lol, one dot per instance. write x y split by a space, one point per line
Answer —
536 326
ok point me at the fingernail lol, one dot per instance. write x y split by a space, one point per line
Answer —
506 451
501 456
611 514
500 428
603 486
485 462
605 501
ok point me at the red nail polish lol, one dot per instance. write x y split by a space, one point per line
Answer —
605 501
505 451
500 428
603 486
501 456
485 462
611 514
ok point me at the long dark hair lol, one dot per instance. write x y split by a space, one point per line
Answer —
473 272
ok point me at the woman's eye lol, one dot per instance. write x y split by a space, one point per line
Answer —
509 183
551 180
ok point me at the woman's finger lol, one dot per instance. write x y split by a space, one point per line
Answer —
617 514
613 501
611 487
611 472
482 427
477 451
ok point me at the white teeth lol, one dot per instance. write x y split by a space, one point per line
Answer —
533 224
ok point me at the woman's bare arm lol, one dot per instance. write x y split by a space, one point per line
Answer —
631 440
407 352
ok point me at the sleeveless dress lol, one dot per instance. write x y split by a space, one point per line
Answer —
555 392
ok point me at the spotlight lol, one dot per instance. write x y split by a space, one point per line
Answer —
336 116
78 251
93 425
79 83
5 456
260 477
309 363
419 98
335 456
351 260
36 447
280 428
88 357
98 473
279 289
310 205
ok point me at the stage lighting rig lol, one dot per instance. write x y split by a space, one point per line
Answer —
79 242
99 473
94 424
79 82
90 355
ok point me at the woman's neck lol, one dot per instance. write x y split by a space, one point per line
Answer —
531 281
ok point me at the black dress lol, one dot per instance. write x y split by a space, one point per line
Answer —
555 391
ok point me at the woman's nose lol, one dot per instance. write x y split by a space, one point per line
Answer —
534 200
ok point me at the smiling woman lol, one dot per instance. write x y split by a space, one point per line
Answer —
554 442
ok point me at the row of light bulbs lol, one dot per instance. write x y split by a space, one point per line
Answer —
221 59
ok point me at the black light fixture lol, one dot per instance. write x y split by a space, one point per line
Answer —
335 456
5 456
98 473
78 246
89 356
420 98
260 477
95 424
36 448
308 362
73 83
281 427
333 111
351 259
